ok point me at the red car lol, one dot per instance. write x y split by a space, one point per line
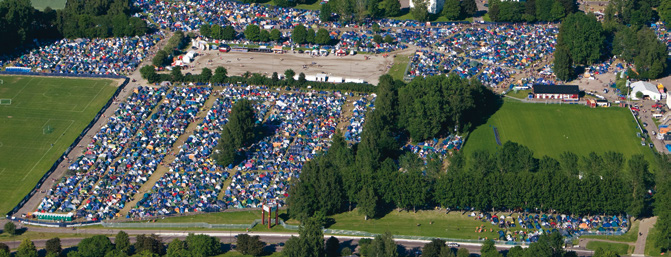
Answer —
635 109
656 106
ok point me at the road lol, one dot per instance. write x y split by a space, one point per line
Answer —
272 240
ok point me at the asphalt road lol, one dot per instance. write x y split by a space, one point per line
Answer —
273 240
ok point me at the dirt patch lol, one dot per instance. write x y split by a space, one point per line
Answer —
353 67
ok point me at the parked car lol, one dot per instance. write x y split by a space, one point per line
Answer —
645 124
652 145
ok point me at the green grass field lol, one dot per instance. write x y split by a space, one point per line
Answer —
553 129
54 4
621 249
397 70
44 118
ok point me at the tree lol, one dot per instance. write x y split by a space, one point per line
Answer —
641 182
205 30
367 202
516 251
332 247
452 9
151 243
228 33
205 74
203 245
283 3
469 7
4 248
289 75
563 65
310 36
249 245
5 254
325 12
463 252
392 8
53 245
10 228
216 32
388 39
275 78
377 39
237 133
383 245
600 252
177 248
220 74
26 249
557 11
275 35
252 33
301 79
433 248
94 246
312 238
176 74
299 34
160 58
583 36
323 37
122 242
664 11
487 247
420 11
293 248
264 36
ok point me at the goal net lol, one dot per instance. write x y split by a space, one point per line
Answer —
5 101
47 129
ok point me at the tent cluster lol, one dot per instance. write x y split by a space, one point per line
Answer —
353 131
529 227
435 147
111 56
108 184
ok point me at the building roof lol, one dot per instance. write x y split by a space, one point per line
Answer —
556 89
643 86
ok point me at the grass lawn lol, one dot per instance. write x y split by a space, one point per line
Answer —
520 94
621 249
631 235
42 235
553 129
452 225
397 71
432 17
314 6
54 4
233 217
650 248
486 17
44 118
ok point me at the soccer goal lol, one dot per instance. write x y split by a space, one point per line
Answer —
5 101
47 129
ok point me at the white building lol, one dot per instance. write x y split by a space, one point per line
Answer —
433 6
648 89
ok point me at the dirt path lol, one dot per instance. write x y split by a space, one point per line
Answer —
643 230
169 158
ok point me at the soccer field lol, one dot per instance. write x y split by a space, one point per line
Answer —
44 118
553 129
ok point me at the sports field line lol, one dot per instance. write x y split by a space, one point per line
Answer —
45 153
92 98
2 171
24 87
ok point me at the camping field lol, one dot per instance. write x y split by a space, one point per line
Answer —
44 118
551 129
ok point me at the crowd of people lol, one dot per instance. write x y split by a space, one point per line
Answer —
110 56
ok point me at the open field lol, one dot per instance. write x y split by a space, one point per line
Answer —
232 217
452 225
397 70
551 129
45 116
54 4
354 67
621 249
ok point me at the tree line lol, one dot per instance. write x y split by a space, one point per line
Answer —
21 23
220 76
172 48
624 32
662 235
376 176
531 10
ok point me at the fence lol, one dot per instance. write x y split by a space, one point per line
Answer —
74 144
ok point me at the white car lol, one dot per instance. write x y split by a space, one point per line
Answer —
452 245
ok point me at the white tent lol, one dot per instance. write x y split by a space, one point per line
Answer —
648 89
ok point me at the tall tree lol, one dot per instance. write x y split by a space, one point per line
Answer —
367 202
26 249
253 33
420 10
228 33
452 9
54 246
469 7
563 64
392 8
94 246
583 35
299 34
